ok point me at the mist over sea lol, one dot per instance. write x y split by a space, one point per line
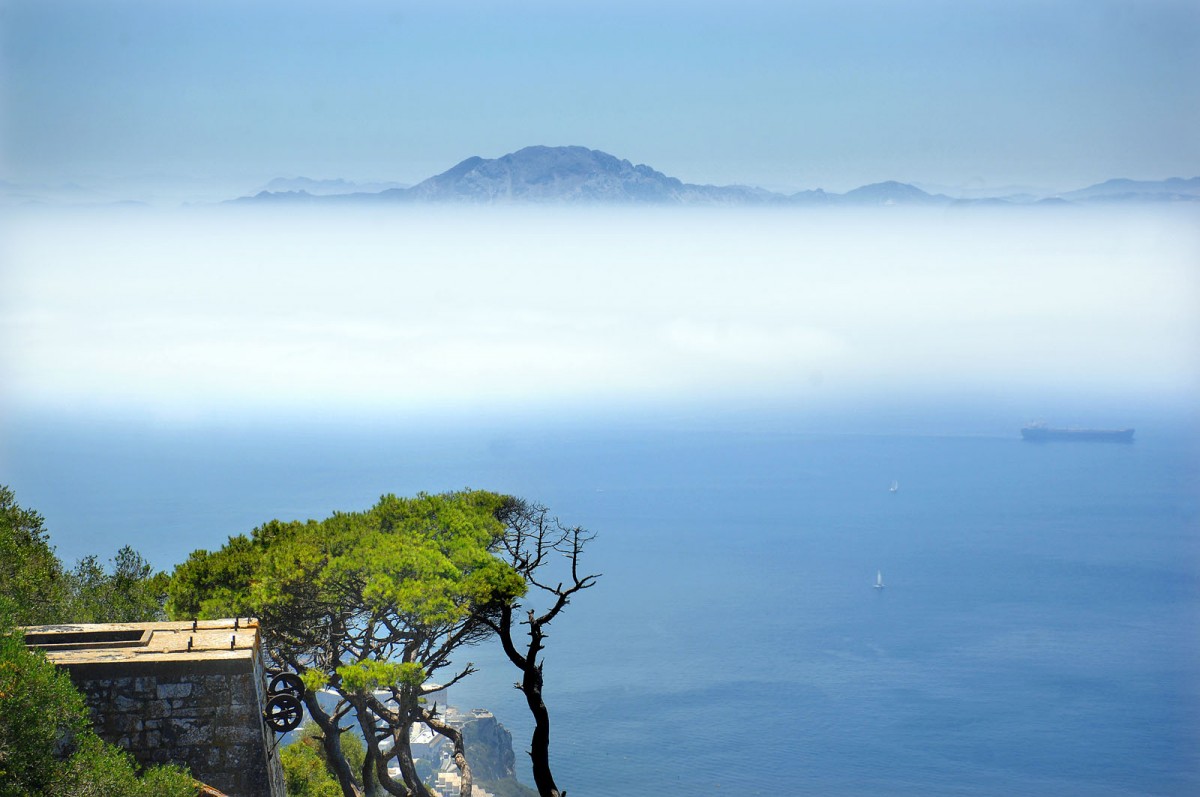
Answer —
219 312
724 397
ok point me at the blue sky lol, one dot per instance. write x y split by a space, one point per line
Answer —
785 95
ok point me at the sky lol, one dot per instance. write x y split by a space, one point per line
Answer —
213 96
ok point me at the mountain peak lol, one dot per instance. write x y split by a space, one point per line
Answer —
1124 189
543 174
891 192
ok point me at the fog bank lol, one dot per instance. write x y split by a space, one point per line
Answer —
199 312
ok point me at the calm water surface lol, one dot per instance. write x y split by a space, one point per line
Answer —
1038 633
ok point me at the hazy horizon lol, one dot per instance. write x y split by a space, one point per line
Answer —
211 99
164 191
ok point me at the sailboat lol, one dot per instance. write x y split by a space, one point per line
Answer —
895 487
878 579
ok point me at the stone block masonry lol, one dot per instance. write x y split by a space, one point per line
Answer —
183 694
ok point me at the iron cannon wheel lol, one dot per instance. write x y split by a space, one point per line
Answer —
286 683
284 712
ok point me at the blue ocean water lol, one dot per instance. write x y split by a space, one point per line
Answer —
1038 633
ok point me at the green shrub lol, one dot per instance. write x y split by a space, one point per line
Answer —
47 745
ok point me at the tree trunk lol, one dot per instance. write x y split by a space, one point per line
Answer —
460 752
369 781
531 687
539 745
331 740
404 758
375 762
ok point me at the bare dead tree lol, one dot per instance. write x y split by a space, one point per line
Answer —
533 542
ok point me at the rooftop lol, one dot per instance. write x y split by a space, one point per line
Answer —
229 641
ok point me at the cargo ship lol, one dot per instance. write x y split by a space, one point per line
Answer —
1040 432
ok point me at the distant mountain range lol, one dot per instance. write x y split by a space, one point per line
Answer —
547 175
577 175
326 187
1120 190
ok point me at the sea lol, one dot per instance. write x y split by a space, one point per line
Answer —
1037 632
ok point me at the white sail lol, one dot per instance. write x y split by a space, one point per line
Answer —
895 486
878 579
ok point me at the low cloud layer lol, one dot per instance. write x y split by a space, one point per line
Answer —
200 311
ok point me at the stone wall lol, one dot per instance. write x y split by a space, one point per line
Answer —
184 692
206 716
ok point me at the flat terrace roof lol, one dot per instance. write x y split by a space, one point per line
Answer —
222 644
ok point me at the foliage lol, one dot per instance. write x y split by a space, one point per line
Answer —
305 770
361 603
47 746
216 584
35 589
31 578
305 773
372 676
132 592
40 712
98 770
379 601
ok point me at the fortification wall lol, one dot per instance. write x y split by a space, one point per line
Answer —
183 693
210 722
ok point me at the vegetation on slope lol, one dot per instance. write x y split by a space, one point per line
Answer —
47 745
